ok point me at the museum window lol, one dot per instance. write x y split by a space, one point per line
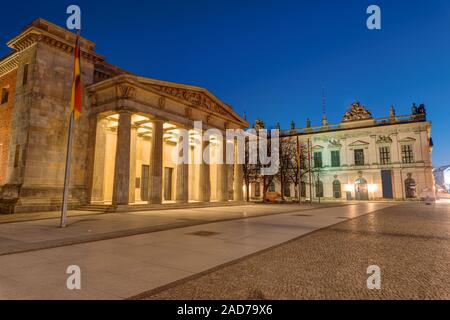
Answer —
337 189
335 158
25 74
407 154
385 155
317 159
359 157
5 95
271 187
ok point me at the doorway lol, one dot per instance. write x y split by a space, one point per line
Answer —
361 192
168 174
145 182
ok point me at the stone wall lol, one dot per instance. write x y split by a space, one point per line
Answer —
6 110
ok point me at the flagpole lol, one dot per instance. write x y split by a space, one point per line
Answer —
67 173
63 222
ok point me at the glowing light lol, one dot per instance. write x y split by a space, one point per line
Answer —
373 187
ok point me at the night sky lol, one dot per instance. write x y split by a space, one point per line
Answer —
271 59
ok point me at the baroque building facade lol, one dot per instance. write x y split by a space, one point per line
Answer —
363 158
123 140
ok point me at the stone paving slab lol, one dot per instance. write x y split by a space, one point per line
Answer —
410 243
126 266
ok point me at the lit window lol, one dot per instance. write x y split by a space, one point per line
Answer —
407 154
359 157
385 155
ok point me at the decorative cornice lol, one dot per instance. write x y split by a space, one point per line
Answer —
9 64
64 41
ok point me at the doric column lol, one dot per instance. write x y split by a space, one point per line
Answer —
204 176
98 178
222 178
156 163
133 164
182 185
121 186
238 181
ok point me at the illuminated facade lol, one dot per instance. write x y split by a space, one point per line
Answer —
123 140
363 158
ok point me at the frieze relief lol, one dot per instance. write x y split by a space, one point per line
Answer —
195 98
384 139
124 92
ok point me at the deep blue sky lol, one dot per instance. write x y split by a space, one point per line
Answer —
272 58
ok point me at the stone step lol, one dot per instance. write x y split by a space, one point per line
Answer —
150 207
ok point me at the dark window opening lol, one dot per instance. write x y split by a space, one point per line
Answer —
25 74
335 158
318 159
5 95
17 156
359 157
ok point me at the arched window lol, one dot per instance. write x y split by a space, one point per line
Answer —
271 187
361 192
319 189
410 188
337 189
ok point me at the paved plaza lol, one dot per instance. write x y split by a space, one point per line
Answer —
410 244
128 265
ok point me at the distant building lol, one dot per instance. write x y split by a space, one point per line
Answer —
363 158
442 177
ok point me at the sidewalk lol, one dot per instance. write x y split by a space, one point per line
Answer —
42 234
127 266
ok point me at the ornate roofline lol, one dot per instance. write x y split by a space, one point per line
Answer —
9 63
43 31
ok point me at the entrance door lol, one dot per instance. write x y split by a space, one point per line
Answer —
386 182
361 192
144 182
168 173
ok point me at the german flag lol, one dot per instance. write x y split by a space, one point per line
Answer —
76 102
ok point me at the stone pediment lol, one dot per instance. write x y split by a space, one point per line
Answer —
408 139
384 139
197 97
357 112
358 143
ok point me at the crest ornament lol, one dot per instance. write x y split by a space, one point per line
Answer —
357 112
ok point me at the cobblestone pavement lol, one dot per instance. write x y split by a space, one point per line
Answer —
410 243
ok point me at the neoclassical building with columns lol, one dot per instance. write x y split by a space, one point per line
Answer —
364 158
124 140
